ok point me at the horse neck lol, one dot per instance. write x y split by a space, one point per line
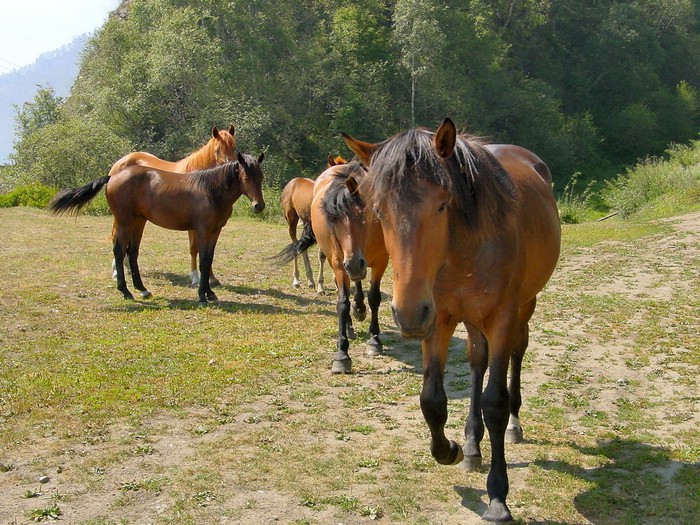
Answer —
203 158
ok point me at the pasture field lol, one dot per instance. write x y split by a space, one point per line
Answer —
161 412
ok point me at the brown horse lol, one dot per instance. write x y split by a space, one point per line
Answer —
352 241
200 201
473 234
220 148
296 203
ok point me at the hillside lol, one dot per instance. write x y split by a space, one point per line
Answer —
57 69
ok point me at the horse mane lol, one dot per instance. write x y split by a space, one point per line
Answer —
217 179
481 188
206 155
338 201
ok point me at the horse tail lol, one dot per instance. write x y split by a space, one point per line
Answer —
306 241
75 199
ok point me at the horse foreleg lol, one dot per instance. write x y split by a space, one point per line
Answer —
194 252
119 251
342 364
433 400
207 244
477 354
133 253
359 310
374 298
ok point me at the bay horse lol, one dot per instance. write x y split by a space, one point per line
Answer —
220 148
296 203
200 201
473 233
352 241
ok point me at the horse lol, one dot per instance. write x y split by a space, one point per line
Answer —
352 241
473 234
200 201
296 203
220 148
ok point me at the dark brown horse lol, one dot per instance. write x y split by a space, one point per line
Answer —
473 234
296 203
200 201
352 241
220 148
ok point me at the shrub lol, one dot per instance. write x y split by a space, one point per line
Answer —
34 195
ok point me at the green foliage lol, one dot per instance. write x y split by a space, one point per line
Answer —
68 153
575 207
654 179
590 87
35 195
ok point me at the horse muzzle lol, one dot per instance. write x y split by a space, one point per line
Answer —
416 322
258 206
356 268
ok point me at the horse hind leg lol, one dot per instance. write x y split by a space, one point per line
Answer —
477 353
119 251
307 269
321 281
514 431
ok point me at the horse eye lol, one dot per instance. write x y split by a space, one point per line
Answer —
443 206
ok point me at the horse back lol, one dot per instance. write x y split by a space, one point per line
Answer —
536 222
142 158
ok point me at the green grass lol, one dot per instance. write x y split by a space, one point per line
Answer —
230 413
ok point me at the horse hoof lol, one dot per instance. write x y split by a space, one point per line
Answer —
343 366
497 511
214 282
359 314
471 463
194 279
351 333
128 296
514 435
312 285
296 284
146 294
211 297
374 348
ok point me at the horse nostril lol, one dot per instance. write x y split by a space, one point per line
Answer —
426 314
258 207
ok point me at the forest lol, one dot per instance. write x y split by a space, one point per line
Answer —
590 85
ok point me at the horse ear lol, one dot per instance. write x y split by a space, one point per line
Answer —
261 157
351 184
241 159
331 161
364 150
215 132
445 138
232 129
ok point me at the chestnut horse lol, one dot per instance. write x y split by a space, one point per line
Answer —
220 148
352 241
200 201
474 236
296 203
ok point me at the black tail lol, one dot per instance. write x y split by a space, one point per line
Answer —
306 241
74 200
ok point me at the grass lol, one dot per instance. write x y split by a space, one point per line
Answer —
163 411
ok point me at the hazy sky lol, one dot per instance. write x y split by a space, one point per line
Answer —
29 28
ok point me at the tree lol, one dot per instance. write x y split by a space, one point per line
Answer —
420 39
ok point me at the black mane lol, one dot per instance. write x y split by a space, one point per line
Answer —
339 201
217 179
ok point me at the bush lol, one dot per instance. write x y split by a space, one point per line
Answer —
674 180
34 195
575 208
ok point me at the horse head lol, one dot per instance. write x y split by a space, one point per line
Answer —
250 176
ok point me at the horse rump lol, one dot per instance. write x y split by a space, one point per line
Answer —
75 199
